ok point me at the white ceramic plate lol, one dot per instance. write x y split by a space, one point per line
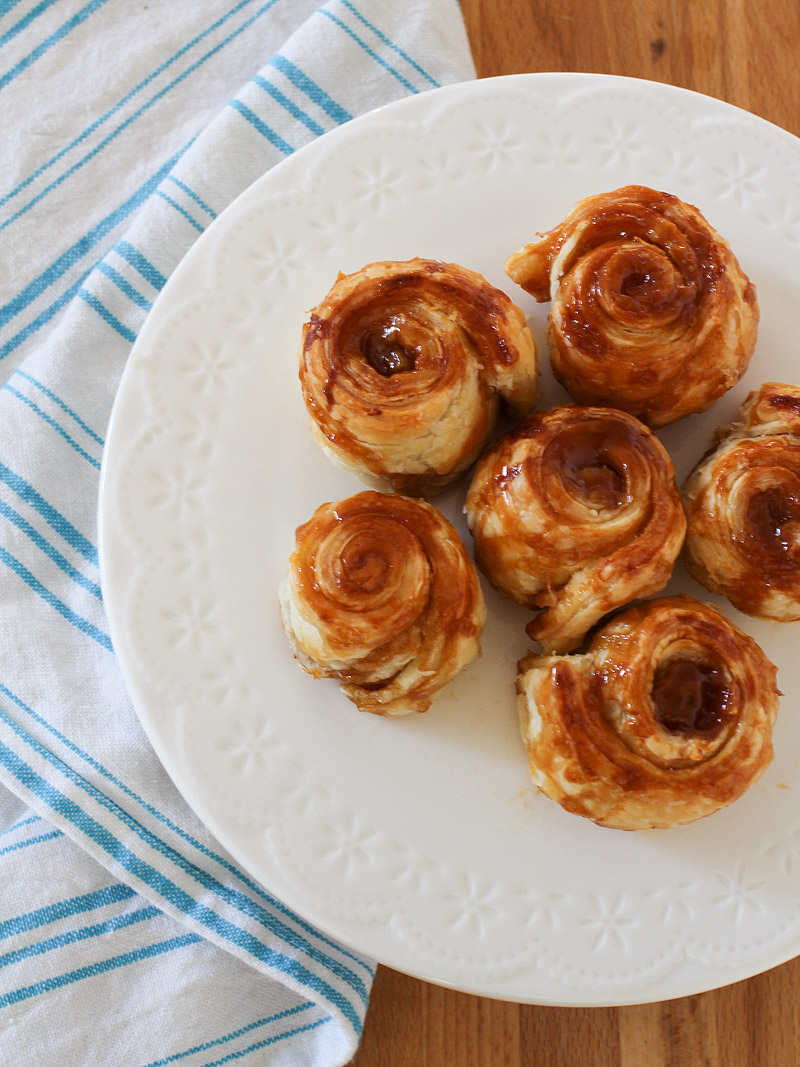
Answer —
421 841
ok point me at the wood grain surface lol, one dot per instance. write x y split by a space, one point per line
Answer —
748 54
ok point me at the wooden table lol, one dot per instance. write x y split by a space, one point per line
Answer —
746 53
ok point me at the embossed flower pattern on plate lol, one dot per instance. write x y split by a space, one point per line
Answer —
378 184
620 144
738 894
496 144
609 923
350 845
274 261
473 905
736 177
785 216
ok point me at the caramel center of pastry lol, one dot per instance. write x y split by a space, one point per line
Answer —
597 482
591 464
364 569
690 698
637 279
637 283
372 565
772 521
385 352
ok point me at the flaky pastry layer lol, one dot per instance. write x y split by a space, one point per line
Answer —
667 718
651 311
575 512
382 595
743 507
403 365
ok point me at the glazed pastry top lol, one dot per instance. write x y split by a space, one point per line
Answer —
651 311
666 718
576 512
743 507
402 366
382 595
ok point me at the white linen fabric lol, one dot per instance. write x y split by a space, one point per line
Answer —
127 935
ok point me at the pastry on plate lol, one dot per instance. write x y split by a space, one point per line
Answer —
743 506
403 366
575 512
667 718
382 595
651 311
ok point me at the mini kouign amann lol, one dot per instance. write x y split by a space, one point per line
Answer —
666 718
575 512
743 507
651 311
404 367
382 595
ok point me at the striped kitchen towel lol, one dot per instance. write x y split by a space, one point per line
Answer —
127 935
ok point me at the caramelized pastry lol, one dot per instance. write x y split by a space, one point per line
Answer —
667 718
382 595
403 365
651 311
576 512
743 507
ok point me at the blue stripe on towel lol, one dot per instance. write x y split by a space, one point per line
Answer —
59 523
123 100
43 317
93 969
261 126
183 211
313 91
48 42
63 609
63 909
191 193
26 19
22 524
164 886
124 286
126 251
224 863
288 105
231 1036
83 933
31 841
20 824
389 43
6 6
52 422
57 400
119 327
370 52
268 1041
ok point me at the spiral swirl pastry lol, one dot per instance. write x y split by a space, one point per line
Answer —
576 512
403 365
667 718
651 311
743 507
382 595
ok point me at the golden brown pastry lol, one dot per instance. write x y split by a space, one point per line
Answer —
382 595
651 311
402 366
667 718
576 512
743 507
